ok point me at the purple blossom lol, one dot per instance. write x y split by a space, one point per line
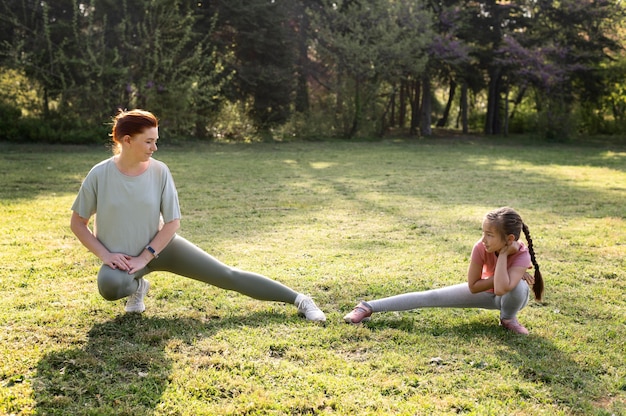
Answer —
449 49
543 66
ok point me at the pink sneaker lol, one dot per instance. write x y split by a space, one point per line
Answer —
360 313
514 326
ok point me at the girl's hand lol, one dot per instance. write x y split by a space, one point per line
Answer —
529 278
117 261
510 249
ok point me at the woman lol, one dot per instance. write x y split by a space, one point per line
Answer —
496 278
137 215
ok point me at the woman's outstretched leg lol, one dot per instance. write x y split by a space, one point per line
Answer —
184 258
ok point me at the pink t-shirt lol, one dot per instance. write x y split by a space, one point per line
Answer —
488 260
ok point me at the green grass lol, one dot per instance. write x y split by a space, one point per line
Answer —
341 221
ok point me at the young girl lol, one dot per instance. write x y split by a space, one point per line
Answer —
496 279
138 215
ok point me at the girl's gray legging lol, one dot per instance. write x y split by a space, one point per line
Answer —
183 258
457 296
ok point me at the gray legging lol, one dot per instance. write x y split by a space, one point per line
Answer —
183 258
457 296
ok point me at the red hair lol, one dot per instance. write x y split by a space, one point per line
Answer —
131 122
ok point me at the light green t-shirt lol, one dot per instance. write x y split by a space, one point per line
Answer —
129 209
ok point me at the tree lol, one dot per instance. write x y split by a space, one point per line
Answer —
560 55
256 39
371 45
169 67
91 58
351 67
450 60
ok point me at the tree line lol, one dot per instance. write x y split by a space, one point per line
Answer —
312 68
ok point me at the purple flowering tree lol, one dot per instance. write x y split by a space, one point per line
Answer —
558 57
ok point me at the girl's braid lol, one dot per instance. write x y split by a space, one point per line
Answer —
538 286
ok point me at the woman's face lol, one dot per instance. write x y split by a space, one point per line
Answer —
144 144
492 238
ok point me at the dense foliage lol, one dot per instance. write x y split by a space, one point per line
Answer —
348 68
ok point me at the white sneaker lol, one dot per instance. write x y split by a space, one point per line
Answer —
135 301
308 309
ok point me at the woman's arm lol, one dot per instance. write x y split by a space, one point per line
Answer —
158 243
122 261
80 228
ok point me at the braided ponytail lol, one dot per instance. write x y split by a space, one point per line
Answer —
538 286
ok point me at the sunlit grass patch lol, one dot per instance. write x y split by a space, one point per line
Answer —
342 222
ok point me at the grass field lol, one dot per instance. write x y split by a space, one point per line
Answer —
342 222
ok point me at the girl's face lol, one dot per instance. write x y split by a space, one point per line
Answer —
143 145
492 238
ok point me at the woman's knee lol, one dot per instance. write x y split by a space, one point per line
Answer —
114 284
231 278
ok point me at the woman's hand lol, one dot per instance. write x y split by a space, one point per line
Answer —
117 261
136 264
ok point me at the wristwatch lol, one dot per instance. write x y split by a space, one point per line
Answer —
152 251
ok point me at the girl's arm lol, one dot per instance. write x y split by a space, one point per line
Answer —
475 283
506 279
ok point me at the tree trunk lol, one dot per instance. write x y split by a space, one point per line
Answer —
337 114
506 112
388 118
46 103
357 110
302 90
446 112
392 115
492 121
518 100
426 128
463 108
415 106
402 104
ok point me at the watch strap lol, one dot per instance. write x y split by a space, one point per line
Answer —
152 251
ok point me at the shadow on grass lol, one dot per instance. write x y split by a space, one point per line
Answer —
536 360
125 366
